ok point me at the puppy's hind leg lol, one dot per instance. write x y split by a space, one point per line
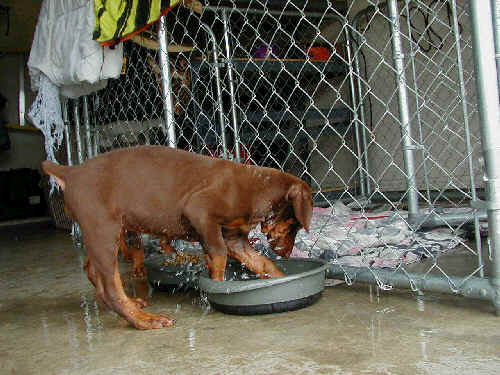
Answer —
136 250
123 246
102 240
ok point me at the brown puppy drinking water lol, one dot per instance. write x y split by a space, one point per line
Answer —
176 194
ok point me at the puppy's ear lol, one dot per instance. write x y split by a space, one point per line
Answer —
300 195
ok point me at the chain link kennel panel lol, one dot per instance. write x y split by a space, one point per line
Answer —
372 103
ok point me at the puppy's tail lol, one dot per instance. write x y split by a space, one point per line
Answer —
59 172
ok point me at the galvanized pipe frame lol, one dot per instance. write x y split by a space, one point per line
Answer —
359 91
432 220
488 93
76 233
216 66
361 170
427 221
404 112
232 91
168 105
462 94
78 134
474 286
86 121
471 286
489 112
75 230
22 95
271 11
465 113
495 9
67 134
417 101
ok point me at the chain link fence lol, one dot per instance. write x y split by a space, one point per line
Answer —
372 103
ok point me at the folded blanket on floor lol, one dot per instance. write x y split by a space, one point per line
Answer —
369 239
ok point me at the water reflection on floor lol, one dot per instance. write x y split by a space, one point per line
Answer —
51 323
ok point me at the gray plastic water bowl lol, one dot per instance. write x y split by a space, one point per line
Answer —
164 276
244 294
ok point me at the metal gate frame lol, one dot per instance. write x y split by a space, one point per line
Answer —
485 22
488 94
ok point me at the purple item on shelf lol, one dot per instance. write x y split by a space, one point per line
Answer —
265 51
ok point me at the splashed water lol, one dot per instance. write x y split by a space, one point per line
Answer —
204 302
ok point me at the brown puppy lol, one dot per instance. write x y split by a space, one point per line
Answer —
178 195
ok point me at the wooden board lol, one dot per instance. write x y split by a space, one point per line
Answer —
24 127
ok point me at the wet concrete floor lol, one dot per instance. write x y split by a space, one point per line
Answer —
51 323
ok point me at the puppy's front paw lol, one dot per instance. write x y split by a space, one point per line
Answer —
145 321
139 302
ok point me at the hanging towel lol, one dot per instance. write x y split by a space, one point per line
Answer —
63 49
119 20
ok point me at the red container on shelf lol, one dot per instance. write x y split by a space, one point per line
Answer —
319 53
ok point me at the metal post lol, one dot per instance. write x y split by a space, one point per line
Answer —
231 85
489 113
276 12
404 112
65 115
22 96
222 123
417 100
355 117
362 117
76 115
168 105
77 235
86 121
95 145
495 8
439 220
472 287
465 113
75 229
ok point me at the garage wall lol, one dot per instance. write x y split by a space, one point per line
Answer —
27 149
